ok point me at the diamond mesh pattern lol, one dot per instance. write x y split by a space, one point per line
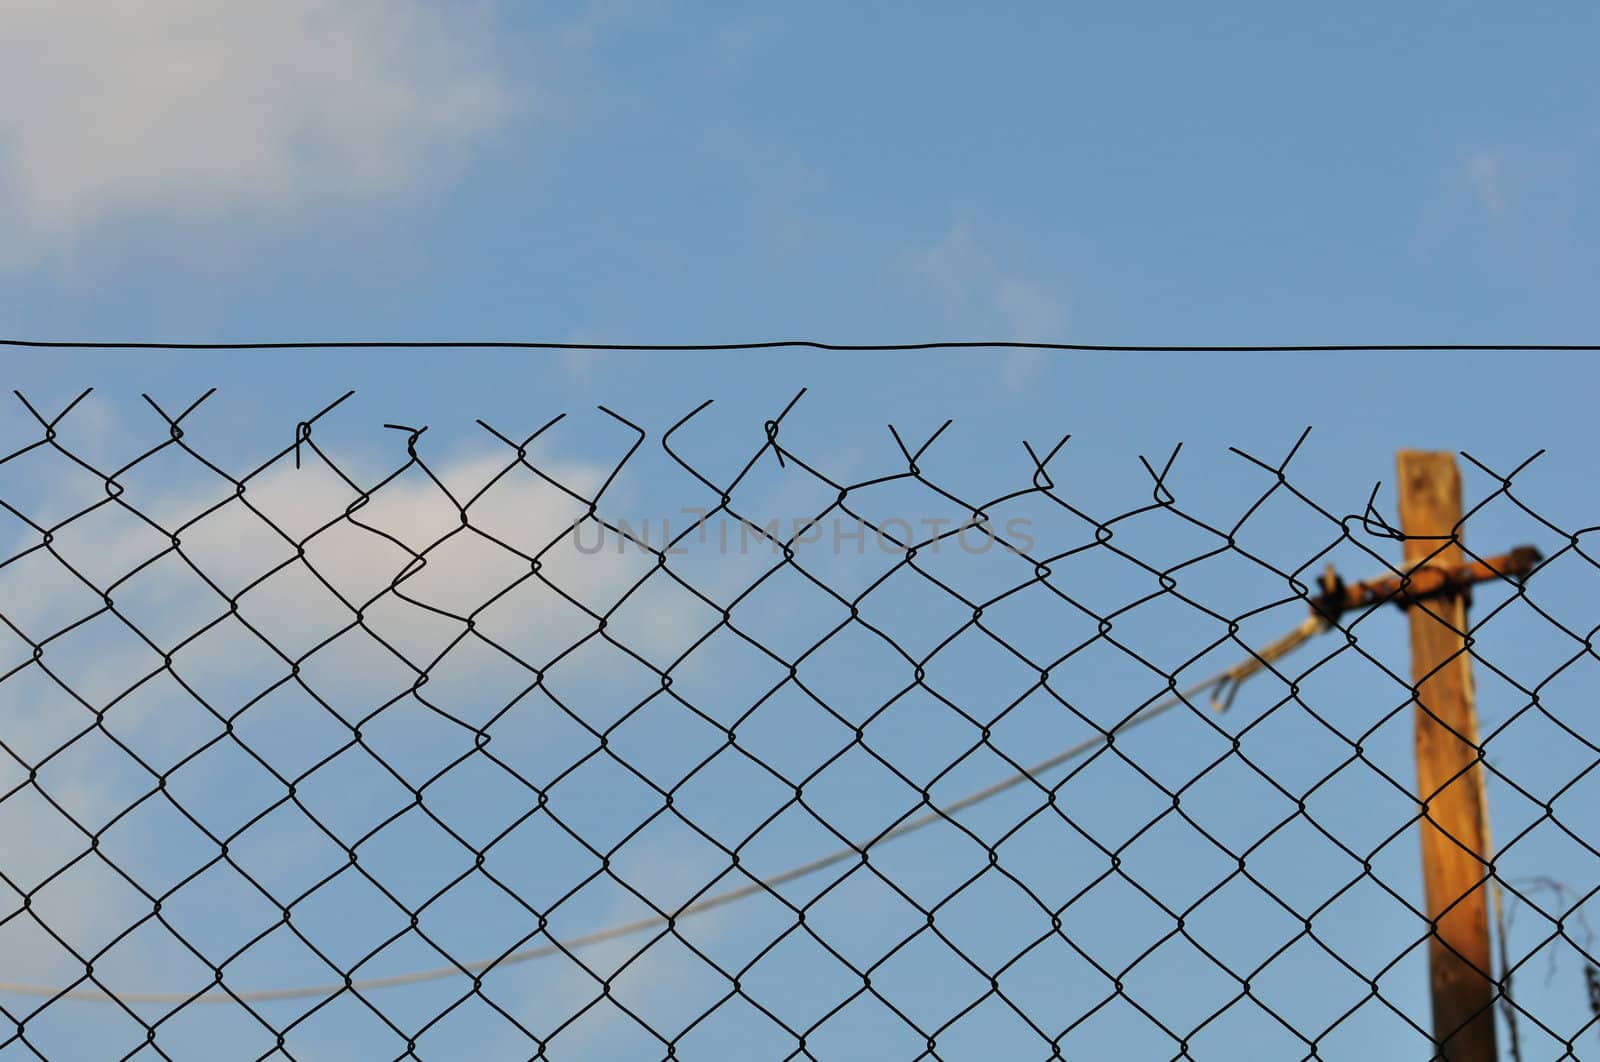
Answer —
300 764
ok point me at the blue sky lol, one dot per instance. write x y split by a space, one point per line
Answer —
639 172
1244 174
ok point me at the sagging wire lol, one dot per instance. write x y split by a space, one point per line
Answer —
1229 678
1221 689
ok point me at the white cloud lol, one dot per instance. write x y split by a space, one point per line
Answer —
191 109
359 558
1485 176
234 547
988 300
596 20
978 292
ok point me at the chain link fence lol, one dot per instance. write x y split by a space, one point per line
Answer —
510 756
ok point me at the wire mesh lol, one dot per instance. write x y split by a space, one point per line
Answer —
300 762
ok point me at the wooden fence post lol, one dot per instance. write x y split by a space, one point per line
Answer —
1449 782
